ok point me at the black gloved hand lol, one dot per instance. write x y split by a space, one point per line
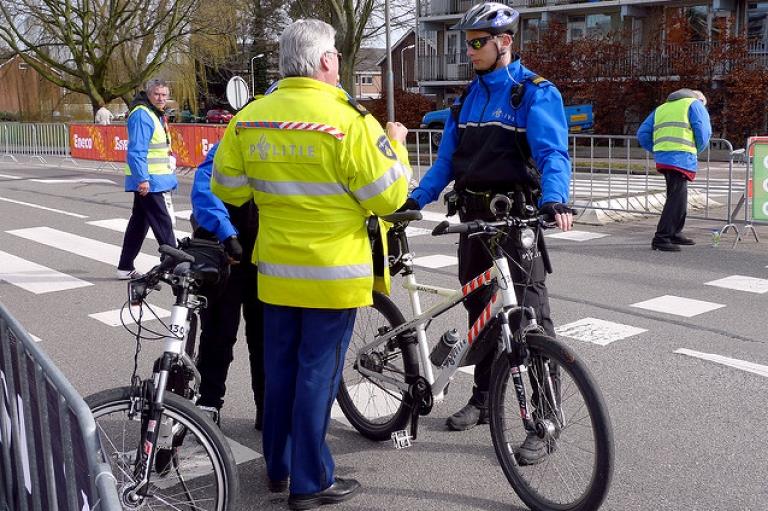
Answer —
550 209
233 248
411 204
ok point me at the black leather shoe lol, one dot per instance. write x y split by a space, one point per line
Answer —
259 422
682 240
664 246
339 491
278 486
467 418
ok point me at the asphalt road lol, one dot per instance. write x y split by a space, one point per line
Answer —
687 387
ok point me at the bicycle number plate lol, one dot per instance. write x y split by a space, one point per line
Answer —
401 439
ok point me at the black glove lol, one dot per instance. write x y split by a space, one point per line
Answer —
411 204
233 248
550 209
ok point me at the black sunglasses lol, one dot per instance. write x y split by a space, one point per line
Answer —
479 42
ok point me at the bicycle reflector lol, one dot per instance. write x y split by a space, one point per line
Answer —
527 238
137 290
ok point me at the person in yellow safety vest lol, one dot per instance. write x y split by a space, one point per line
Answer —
149 175
317 166
675 133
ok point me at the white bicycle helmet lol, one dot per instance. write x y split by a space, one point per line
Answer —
491 17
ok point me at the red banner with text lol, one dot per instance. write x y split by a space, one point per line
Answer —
189 142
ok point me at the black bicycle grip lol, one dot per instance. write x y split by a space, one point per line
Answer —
179 256
445 227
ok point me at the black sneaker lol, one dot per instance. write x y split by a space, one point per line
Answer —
212 413
467 418
533 450
339 491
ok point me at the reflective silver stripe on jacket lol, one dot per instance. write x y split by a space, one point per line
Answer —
161 145
164 159
676 140
381 184
290 271
491 123
296 187
671 124
229 181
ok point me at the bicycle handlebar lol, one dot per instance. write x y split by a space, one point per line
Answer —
477 226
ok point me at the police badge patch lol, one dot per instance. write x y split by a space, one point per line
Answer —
386 148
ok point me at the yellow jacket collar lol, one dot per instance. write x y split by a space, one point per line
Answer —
301 82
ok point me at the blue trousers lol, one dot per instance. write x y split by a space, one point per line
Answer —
303 360
148 211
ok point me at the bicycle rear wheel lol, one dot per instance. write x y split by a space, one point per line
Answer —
576 434
374 407
201 474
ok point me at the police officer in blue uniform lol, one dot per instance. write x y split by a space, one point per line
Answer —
236 228
507 134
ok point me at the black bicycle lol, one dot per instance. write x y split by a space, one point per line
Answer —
165 452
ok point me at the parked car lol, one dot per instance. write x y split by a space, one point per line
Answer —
218 116
579 117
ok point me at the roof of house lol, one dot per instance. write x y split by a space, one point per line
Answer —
367 59
383 56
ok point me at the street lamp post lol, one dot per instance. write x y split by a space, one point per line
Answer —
253 76
402 66
390 79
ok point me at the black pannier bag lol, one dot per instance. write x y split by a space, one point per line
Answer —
211 264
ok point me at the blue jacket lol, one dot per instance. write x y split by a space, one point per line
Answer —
540 119
140 130
702 131
209 211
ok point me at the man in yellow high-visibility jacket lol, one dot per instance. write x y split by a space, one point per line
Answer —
317 166
676 132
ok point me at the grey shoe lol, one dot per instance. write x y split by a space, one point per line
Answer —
533 450
212 413
467 418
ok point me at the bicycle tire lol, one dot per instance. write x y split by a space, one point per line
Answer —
376 411
576 473
215 486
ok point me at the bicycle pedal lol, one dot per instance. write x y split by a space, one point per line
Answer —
401 439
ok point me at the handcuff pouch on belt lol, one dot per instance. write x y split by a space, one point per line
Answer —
473 204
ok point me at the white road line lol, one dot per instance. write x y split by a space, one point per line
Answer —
576 235
84 180
184 214
120 224
121 316
431 216
35 338
742 365
597 331
82 246
678 306
436 261
8 176
35 277
741 283
37 206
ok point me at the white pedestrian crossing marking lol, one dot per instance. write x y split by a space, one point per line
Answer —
741 283
85 247
123 316
678 306
8 176
35 338
743 365
35 277
436 261
468 369
431 216
412 232
121 224
84 180
597 331
184 214
37 206
576 235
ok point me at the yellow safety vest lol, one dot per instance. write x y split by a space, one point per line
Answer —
158 155
672 129
317 167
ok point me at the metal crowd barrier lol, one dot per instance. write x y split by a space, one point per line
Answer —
34 140
50 454
759 188
614 178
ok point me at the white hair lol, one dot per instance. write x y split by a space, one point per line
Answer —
700 96
302 45
154 83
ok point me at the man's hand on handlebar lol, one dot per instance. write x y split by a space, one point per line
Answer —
558 213
411 204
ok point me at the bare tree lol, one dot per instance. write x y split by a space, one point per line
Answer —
104 49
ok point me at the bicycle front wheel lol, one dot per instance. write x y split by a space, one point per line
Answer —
199 474
566 463
375 407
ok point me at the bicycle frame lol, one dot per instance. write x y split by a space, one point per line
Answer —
503 300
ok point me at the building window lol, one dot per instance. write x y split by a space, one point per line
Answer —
366 80
577 28
592 25
531 30
688 24
22 65
757 21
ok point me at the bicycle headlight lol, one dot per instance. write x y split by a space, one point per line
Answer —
527 238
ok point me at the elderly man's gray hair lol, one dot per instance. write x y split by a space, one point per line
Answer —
154 83
302 44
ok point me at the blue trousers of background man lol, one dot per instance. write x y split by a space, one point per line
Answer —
303 360
148 211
